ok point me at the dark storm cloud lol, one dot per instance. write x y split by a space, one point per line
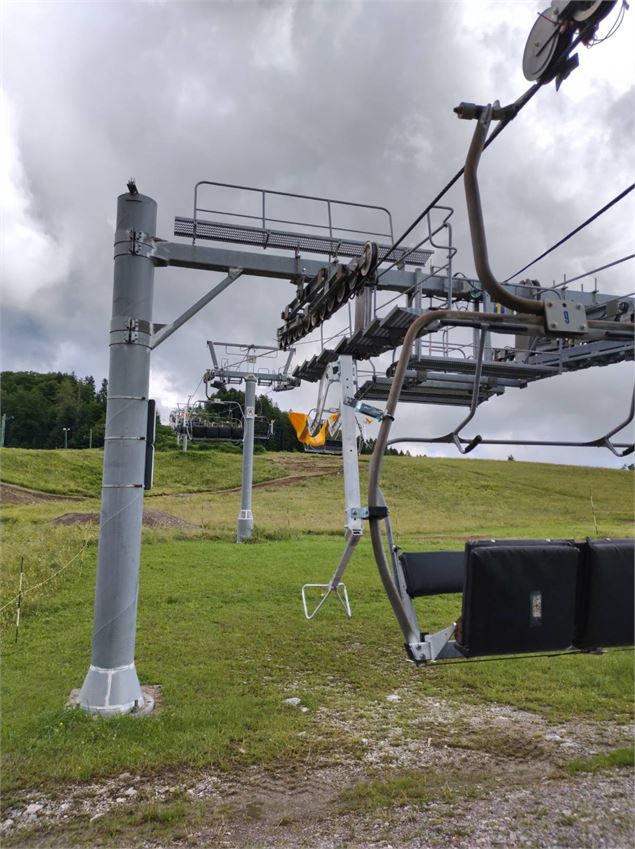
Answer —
351 100
22 332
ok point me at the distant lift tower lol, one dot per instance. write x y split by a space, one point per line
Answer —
239 368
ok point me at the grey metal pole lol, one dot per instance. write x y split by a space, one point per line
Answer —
90 438
353 525
3 427
111 685
245 524
418 342
450 292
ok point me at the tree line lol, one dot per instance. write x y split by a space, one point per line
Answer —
53 409
36 408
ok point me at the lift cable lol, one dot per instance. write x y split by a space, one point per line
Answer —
520 103
194 393
324 341
594 271
573 232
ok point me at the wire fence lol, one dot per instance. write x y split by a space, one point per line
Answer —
24 592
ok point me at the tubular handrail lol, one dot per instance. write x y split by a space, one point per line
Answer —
620 449
452 251
477 228
264 218
606 439
542 443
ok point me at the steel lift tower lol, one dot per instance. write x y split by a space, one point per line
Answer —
322 286
231 372
111 685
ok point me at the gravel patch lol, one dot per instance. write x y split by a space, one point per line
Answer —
494 773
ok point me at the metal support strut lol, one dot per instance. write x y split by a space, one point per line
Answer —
344 372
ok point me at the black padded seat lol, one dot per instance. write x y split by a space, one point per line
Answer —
432 572
519 596
605 598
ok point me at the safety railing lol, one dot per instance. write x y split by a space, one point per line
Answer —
260 215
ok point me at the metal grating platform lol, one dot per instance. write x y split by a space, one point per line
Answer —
385 334
285 240
507 370
381 335
427 392
313 369
601 353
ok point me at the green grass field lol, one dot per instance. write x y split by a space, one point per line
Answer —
220 626
78 473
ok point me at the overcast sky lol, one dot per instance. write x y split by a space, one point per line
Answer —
351 100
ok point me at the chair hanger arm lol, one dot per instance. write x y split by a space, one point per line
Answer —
497 292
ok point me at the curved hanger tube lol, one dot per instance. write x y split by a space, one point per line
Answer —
477 228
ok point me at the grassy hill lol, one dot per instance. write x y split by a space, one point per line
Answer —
426 495
220 625
66 472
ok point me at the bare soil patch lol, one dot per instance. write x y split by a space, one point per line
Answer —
151 519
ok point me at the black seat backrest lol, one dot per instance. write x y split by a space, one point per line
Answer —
519 596
432 572
605 597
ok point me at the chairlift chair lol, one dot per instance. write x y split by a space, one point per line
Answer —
223 424
519 596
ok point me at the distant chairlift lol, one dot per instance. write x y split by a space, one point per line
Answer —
319 431
216 420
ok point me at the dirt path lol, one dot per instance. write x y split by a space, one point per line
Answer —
428 773
288 480
12 494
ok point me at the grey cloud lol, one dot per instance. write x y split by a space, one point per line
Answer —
350 100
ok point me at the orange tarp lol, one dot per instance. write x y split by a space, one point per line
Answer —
300 422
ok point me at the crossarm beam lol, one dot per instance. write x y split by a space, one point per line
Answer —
179 255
